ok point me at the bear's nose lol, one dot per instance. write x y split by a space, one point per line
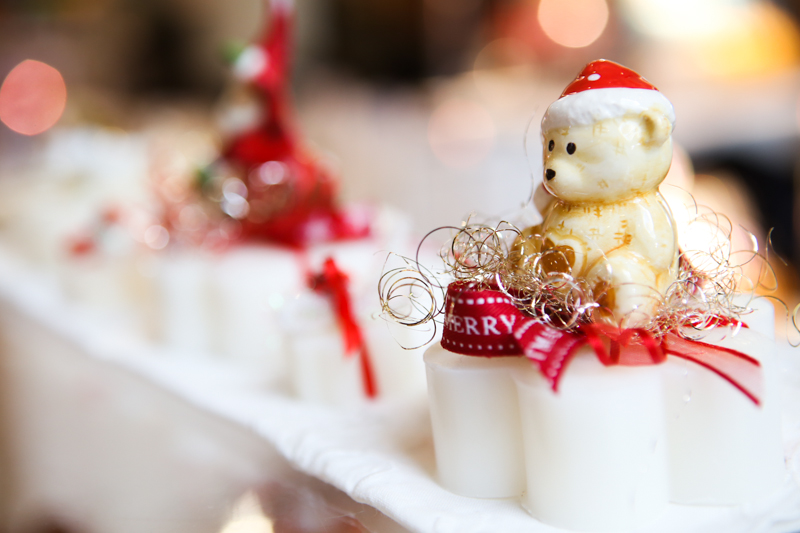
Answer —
549 173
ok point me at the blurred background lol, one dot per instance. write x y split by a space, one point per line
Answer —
418 101
430 106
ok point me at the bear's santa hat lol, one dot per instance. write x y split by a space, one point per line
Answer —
604 90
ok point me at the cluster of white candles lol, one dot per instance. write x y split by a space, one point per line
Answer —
253 304
614 445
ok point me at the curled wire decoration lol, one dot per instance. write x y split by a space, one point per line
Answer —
478 252
408 296
711 286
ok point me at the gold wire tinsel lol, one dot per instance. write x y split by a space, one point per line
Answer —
710 284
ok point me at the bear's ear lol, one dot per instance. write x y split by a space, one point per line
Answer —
656 127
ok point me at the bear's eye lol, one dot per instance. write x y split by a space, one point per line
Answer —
551 145
570 148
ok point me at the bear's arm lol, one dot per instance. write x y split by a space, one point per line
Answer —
655 237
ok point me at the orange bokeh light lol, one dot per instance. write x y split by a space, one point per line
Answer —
32 98
573 23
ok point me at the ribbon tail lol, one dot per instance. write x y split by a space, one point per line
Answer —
367 373
575 343
737 368
334 283
549 349
654 348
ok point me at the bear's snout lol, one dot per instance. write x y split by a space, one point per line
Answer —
549 173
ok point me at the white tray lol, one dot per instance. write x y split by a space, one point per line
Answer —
380 455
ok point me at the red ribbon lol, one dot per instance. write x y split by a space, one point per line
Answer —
486 323
333 283
88 242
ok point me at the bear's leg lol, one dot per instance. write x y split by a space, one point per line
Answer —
625 286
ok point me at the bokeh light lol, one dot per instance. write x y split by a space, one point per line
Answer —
156 237
573 23
461 133
724 38
503 72
248 517
32 97
679 19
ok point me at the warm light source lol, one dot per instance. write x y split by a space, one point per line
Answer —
711 241
32 97
727 38
247 517
573 23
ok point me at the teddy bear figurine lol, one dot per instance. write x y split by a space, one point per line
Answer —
607 147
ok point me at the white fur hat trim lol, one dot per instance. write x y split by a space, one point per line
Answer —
593 105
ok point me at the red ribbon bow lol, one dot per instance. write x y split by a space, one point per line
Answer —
333 283
486 323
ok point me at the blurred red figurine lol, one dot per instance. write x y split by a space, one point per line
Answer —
287 196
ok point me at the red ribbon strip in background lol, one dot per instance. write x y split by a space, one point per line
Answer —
486 323
332 282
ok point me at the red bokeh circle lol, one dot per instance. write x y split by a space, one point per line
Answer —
32 98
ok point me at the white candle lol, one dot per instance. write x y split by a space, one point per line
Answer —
724 449
251 285
400 372
322 374
595 451
184 298
321 371
762 317
476 426
113 277
103 282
